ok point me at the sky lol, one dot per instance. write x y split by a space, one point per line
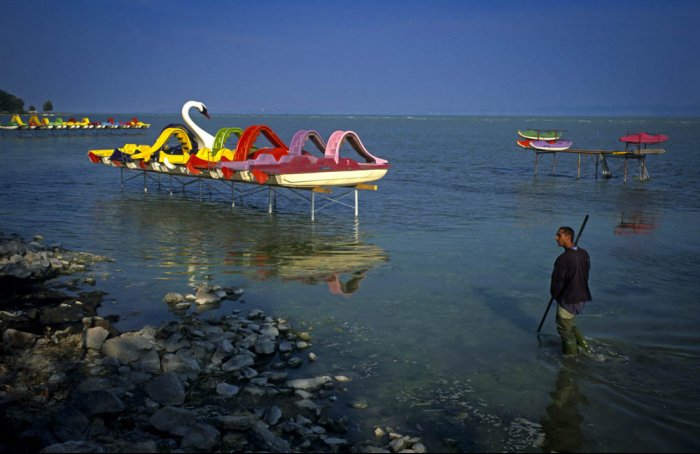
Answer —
407 57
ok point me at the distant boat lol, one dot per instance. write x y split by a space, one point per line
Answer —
644 138
558 145
536 134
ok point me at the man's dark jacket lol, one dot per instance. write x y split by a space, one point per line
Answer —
570 277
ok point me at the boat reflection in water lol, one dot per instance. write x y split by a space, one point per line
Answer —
313 260
634 224
190 243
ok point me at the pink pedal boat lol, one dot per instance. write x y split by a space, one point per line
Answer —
299 168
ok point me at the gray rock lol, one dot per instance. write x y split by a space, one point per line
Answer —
147 446
240 422
173 420
150 362
259 381
373 449
294 362
70 424
200 438
128 348
283 327
399 444
269 330
276 377
335 442
100 402
224 346
309 383
237 362
286 346
18 339
248 341
307 404
95 337
419 448
254 391
265 345
205 295
272 415
249 372
74 446
183 364
173 343
224 389
166 389
256 314
268 440
174 298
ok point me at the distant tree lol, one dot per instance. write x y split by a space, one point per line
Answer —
47 107
32 108
10 103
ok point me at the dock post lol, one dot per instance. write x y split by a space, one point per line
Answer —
643 173
596 167
313 206
357 211
578 167
272 201
554 164
537 158
606 170
625 178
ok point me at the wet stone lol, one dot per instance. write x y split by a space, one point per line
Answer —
173 420
200 438
226 390
95 337
18 339
166 389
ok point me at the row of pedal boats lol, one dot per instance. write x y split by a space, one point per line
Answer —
540 140
34 122
190 150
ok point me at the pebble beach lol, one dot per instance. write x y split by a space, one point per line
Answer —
71 382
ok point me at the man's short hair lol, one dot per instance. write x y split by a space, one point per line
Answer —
568 231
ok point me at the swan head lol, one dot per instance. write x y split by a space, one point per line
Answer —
204 112
198 105
204 139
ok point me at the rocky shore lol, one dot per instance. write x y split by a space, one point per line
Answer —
70 382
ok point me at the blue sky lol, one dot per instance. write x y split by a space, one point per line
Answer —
627 57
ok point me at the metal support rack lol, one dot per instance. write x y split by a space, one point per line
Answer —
325 195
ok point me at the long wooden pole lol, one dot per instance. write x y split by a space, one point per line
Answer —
549 305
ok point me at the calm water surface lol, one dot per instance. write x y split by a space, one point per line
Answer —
431 300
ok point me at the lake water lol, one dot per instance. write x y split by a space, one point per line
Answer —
431 299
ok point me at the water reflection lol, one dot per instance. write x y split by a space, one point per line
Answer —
199 241
633 224
562 425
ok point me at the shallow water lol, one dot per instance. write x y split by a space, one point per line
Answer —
430 300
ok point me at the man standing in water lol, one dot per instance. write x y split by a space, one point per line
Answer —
569 288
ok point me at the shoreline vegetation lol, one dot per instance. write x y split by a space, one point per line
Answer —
71 382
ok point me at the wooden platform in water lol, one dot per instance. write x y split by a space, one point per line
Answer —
621 153
639 154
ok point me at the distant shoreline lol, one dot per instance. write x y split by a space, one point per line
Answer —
367 115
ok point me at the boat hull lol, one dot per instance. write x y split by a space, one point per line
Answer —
534 134
559 145
334 178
